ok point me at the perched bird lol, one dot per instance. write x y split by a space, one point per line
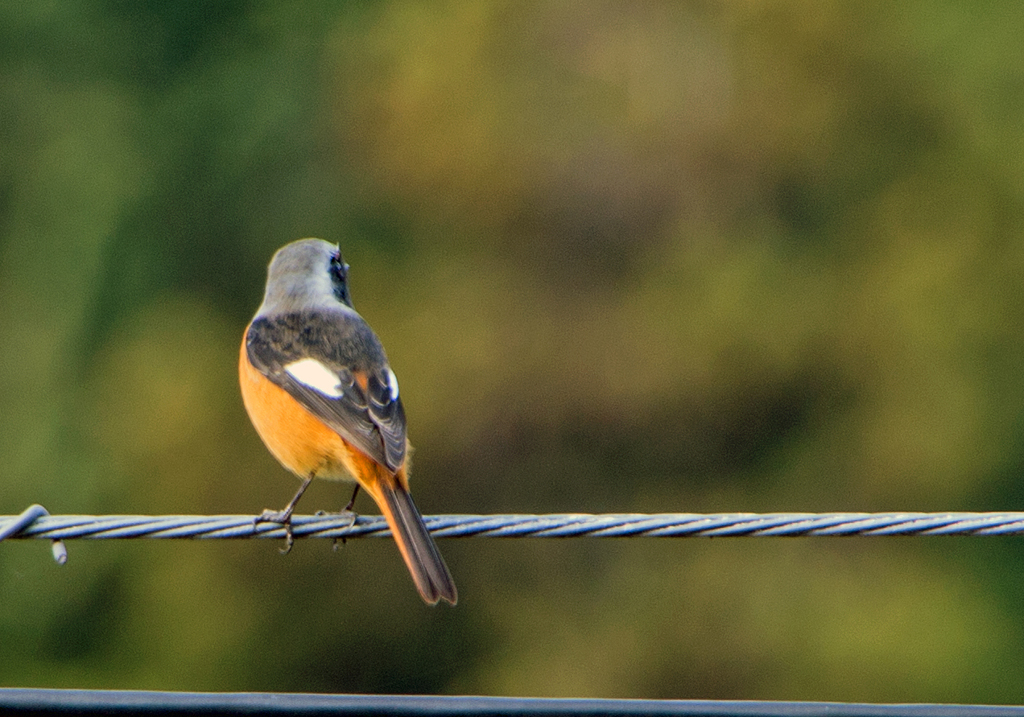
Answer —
319 391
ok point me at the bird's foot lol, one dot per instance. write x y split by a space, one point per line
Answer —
346 512
284 517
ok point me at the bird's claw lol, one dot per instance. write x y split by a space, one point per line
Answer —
284 517
344 511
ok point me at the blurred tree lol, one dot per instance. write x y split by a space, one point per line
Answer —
699 256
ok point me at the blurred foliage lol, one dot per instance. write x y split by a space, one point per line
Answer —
625 257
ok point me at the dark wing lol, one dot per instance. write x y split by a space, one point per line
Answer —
363 407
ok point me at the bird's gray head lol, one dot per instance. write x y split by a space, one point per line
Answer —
306 274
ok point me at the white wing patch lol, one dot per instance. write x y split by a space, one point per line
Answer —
312 373
392 384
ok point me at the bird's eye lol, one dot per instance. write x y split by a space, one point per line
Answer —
339 276
338 265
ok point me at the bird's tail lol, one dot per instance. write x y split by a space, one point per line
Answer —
418 549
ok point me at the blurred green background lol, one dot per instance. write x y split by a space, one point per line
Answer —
705 256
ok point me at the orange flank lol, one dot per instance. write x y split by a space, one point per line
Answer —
296 438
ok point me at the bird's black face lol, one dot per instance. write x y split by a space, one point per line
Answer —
339 279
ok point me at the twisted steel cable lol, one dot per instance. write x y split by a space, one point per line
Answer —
35 522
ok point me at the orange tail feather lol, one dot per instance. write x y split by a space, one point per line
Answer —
418 549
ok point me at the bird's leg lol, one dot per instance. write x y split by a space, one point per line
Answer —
352 502
285 516
347 509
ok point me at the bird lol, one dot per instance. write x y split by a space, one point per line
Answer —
322 396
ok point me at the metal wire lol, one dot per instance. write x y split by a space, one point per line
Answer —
35 522
19 523
117 702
